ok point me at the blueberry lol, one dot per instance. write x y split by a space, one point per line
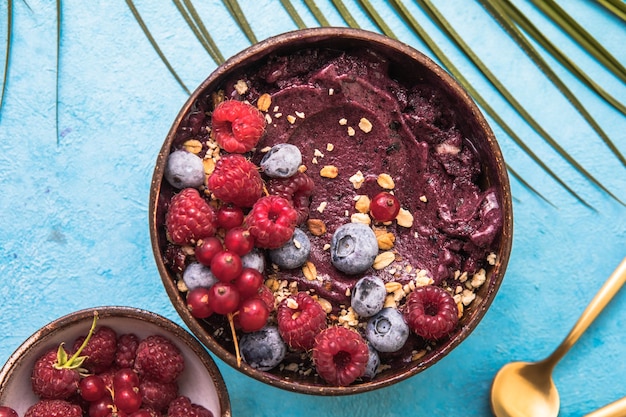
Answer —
353 248
197 275
368 296
263 349
254 259
184 170
373 361
294 253
282 161
387 331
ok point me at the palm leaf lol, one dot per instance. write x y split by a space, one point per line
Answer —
345 14
617 7
581 36
532 52
428 41
235 11
7 55
315 11
154 44
522 181
293 13
520 19
58 65
454 37
378 20
196 25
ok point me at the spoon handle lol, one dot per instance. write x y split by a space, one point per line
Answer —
615 409
601 299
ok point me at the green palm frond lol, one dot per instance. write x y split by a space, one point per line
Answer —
345 14
378 20
154 44
7 55
581 36
293 13
237 14
189 13
617 7
315 11
519 18
58 66
522 181
532 52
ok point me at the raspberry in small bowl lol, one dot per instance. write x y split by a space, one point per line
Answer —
365 187
112 359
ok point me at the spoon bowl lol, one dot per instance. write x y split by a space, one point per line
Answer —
526 389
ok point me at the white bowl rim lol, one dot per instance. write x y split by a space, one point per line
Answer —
39 338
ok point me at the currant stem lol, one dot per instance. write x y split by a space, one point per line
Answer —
235 341
73 361
91 330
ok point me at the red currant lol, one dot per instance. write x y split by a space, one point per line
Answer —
249 282
127 399
239 240
7 412
101 408
198 303
384 207
206 250
229 216
125 378
91 388
226 266
253 314
223 298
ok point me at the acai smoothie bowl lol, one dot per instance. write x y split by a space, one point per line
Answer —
330 212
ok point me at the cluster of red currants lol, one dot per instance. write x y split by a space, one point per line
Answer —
127 396
239 290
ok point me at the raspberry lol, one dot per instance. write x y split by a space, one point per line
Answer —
100 350
297 189
182 407
236 180
51 383
54 408
271 221
431 312
157 395
189 218
159 359
300 318
238 126
340 355
126 350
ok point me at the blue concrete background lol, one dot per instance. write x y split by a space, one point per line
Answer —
73 207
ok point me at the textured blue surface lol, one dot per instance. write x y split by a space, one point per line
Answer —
73 212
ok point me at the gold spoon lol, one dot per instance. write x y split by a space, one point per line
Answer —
615 409
526 389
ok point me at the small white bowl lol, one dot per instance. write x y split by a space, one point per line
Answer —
201 380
